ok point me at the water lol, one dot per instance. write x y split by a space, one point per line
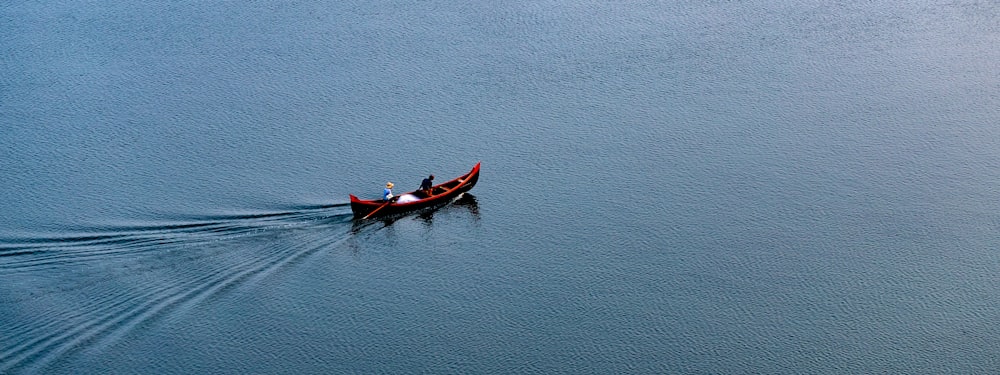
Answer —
667 187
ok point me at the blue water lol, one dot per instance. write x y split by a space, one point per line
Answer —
667 187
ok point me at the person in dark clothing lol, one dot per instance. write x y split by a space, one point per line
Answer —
427 185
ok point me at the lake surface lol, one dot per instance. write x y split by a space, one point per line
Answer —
667 187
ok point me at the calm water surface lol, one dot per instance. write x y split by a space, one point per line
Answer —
667 187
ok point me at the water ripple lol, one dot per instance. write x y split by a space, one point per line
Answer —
85 290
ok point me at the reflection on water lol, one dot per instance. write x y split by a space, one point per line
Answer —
465 202
470 203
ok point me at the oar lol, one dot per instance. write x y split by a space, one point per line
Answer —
377 209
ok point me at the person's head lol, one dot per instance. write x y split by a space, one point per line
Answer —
431 177
389 185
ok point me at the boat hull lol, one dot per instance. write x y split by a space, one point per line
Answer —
444 193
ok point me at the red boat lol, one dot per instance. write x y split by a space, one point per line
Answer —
441 194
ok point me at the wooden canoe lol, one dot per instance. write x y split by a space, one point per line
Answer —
441 194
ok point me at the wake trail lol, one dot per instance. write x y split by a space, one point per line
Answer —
129 276
102 243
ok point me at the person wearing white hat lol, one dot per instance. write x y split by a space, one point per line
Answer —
387 193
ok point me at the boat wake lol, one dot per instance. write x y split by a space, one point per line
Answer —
69 293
